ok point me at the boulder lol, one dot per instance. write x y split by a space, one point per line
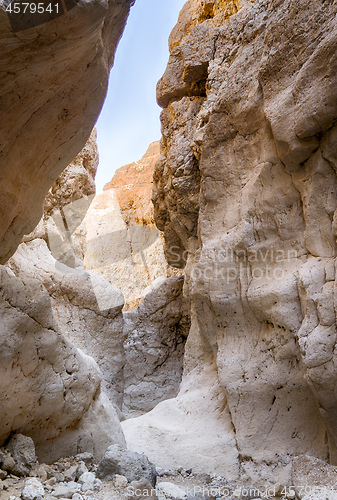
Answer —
41 370
130 464
22 450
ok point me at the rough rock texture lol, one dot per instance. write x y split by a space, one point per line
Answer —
127 463
67 203
22 450
50 390
54 80
245 192
118 237
156 333
133 188
87 309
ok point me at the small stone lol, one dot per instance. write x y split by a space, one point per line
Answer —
66 490
3 474
87 480
141 490
171 491
97 485
52 481
119 481
39 472
77 496
70 474
87 477
32 490
59 477
6 460
81 469
86 457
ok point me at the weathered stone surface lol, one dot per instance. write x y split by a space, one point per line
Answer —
53 85
22 450
33 490
66 204
155 333
130 464
133 188
245 192
87 309
194 429
313 478
49 390
118 239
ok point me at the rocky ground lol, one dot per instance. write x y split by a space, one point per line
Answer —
121 474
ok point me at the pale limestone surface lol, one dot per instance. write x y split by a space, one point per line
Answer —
129 257
54 82
245 192
86 307
66 204
50 390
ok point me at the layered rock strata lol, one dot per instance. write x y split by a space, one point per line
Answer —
54 80
118 239
245 192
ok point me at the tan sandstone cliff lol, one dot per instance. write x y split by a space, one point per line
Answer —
118 239
245 192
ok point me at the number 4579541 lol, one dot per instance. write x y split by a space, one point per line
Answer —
32 8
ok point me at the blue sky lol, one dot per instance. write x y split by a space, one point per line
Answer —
129 121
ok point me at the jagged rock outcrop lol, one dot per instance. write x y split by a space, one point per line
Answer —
118 239
133 184
245 192
54 80
66 204
155 333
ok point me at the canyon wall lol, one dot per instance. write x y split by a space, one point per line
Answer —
245 193
118 239
54 80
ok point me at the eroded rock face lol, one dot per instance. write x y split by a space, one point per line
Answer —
50 390
65 65
155 333
87 309
133 188
245 192
118 239
66 205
